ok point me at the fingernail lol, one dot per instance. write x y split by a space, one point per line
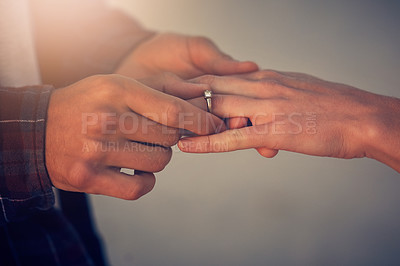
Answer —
184 144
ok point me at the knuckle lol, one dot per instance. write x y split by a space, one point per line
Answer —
234 138
104 129
206 79
133 193
273 73
172 139
219 101
266 84
161 159
208 144
236 135
268 73
80 176
173 112
104 87
167 136
170 80
260 75
138 189
108 86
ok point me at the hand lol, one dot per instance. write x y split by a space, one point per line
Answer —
301 113
104 123
185 56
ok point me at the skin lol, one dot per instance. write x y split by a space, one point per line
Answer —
84 141
103 123
300 113
185 56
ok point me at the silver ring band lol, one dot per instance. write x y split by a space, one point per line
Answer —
207 97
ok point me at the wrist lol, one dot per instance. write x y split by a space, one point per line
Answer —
382 136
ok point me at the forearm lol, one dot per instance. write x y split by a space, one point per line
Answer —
79 38
24 184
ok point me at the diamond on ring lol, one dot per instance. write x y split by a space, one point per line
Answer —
207 94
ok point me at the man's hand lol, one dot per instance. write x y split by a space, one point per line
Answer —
104 123
185 56
301 113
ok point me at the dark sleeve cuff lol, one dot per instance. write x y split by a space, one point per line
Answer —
25 186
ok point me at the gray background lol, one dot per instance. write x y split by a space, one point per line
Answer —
290 210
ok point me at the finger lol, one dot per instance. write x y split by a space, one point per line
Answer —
230 140
298 75
226 66
116 184
292 81
135 127
227 106
172 84
237 122
134 155
169 110
234 122
266 88
266 152
304 82
262 74
184 89
277 135
207 57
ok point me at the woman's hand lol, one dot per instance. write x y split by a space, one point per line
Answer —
300 113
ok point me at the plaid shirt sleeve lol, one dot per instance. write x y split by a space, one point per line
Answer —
25 186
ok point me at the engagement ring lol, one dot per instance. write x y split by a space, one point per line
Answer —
207 97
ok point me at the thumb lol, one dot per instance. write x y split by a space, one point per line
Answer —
211 60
